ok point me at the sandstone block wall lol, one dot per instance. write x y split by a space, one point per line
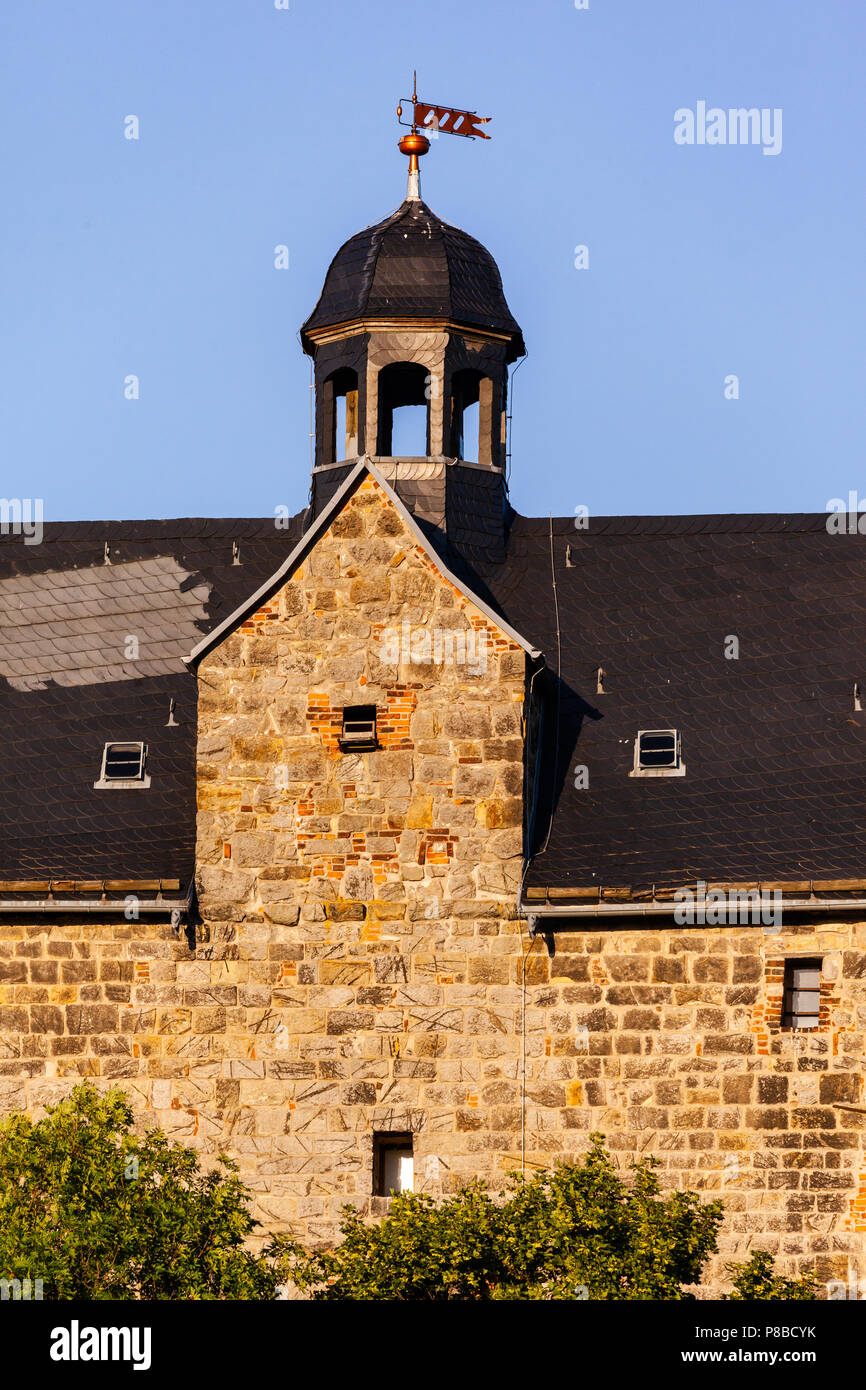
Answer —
360 907
288 1048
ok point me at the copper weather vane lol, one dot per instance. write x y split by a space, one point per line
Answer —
439 120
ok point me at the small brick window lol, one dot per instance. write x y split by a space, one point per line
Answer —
359 729
802 1001
393 1164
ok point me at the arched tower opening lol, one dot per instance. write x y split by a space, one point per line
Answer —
477 410
403 411
340 428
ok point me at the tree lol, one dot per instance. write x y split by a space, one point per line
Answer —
96 1212
756 1281
578 1231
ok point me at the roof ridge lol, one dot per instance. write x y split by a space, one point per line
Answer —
153 528
686 523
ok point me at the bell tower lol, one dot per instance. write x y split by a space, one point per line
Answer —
411 341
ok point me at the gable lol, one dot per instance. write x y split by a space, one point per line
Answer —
288 813
365 602
367 479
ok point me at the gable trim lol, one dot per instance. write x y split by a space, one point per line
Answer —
308 540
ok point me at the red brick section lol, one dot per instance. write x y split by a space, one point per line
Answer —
256 621
437 847
392 723
326 722
857 1215
392 727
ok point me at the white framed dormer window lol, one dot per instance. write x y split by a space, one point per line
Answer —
123 766
658 753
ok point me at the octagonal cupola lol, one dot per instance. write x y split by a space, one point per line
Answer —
411 341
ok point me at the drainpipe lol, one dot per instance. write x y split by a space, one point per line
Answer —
178 906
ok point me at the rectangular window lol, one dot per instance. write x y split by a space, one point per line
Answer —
658 748
802 1004
393 1164
123 766
359 729
657 753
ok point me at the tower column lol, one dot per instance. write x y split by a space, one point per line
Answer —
487 392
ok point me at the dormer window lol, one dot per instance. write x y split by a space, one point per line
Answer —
359 729
123 766
658 753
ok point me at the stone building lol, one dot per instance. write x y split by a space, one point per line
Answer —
409 839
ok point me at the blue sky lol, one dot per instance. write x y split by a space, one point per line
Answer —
261 127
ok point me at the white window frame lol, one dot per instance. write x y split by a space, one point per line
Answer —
124 783
676 769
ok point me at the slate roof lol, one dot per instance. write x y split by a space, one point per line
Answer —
67 686
775 753
414 265
775 784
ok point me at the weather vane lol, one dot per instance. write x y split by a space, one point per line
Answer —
439 120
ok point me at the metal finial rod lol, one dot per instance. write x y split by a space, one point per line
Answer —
413 145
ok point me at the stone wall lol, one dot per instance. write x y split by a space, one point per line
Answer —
386 980
667 1040
363 947
86 998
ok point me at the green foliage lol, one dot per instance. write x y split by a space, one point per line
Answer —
576 1232
755 1281
99 1213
